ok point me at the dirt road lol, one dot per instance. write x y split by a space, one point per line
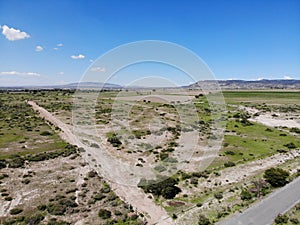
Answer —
130 194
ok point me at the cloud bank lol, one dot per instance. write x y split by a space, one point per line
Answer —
15 73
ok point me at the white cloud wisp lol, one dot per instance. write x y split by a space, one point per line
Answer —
13 34
80 56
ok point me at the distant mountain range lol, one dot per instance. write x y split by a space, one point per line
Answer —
255 84
224 84
79 85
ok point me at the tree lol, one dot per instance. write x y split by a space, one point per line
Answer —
276 177
164 186
259 184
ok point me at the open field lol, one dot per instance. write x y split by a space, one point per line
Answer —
154 134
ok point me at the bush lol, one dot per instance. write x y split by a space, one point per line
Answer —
41 207
295 221
2 164
160 168
290 145
92 174
45 133
246 195
170 192
99 197
218 195
114 140
276 177
203 220
16 162
15 211
94 145
54 221
229 164
229 152
8 198
104 214
34 219
164 186
56 209
280 219
295 130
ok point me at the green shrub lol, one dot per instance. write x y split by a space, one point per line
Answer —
229 152
2 164
246 195
54 221
160 168
203 220
229 164
104 214
45 133
281 219
34 219
218 195
56 209
99 196
15 211
295 221
16 162
8 198
290 145
94 145
164 186
42 207
277 177
114 140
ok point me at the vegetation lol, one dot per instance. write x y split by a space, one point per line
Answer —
104 214
203 220
164 186
277 177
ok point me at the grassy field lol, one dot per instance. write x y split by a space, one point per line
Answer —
269 97
22 131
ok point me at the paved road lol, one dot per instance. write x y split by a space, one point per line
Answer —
264 212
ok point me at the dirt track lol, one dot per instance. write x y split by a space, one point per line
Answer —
130 194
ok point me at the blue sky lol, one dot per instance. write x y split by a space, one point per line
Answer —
237 39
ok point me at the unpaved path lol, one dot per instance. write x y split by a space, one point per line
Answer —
267 118
243 171
131 194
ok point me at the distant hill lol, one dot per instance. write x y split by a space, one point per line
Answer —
256 84
91 85
79 85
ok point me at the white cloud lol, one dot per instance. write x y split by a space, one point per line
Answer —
80 56
91 60
13 34
98 69
15 73
61 73
39 48
55 48
59 45
288 78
